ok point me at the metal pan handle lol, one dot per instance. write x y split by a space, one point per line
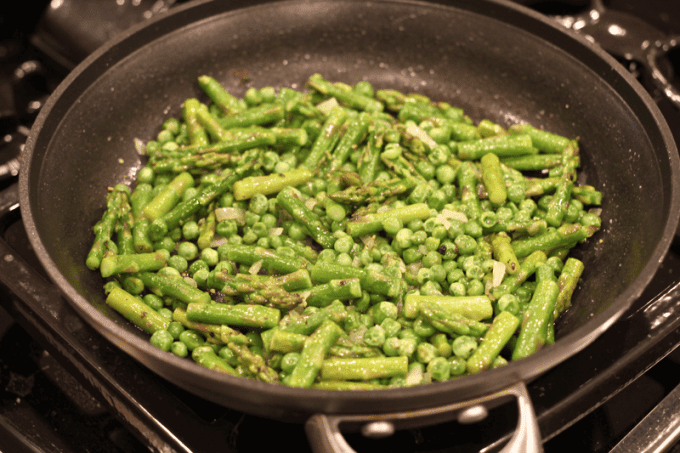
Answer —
324 434
655 52
628 37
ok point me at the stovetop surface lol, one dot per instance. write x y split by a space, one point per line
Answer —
49 404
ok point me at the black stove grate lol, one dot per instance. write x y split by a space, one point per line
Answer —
53 366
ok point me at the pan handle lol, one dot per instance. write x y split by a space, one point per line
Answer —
324 434
656 52
628 38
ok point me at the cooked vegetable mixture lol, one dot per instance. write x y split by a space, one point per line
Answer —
344 237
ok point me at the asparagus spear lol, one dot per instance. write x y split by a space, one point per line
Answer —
312 356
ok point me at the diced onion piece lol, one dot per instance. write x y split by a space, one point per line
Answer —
310 203
356 262
368 240
222 214
414 376
414 267
455 215
498 273
443 221
488 286
357 334
326 106
217 241
420 134
276 231
255 268
140 147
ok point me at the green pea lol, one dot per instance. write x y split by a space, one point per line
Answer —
421 192
289 360
191 339
190 230
178 262
250 217
161 339
165 136
419 237
227 200
431 288
456 228
432 243
509 303
588 219
210 256
403 238
268 94
187 250
345 258
297 232
457 366
426 352
146 175
225 229
516 193
475 287
458 288
169 270
442 343
179 349
392 151
463 346
415 225
411 255
252 97
249 236
210 179
175 329
228 355
224 266
432 258
259 204
473 228
437 273
391 326
153 301
374 336
344 244
384 310
365 88
422 328
466 244
164 244
437 200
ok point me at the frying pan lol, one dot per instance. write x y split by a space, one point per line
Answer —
495 59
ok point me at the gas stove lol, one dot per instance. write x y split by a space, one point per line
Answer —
64 388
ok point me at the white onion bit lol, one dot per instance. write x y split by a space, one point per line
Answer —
255 268
326 106
222 214
498 273
456 215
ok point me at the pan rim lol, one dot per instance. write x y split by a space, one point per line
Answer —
538 363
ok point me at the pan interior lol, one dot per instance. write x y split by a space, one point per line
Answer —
489 66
